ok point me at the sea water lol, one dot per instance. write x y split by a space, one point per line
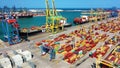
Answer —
40 20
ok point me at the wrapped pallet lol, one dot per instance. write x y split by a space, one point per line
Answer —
16 59
27 65
5 63
19 51
27 55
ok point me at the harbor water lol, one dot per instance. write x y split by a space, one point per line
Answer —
40 20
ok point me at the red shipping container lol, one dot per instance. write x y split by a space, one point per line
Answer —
16 25
10 21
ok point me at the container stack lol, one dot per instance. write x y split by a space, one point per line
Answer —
76 44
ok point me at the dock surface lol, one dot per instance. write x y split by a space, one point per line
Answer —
43 61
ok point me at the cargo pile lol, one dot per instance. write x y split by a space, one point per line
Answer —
114 56
100 51
112 26
76 44
107 45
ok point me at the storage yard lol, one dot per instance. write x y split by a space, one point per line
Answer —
74 50
89 41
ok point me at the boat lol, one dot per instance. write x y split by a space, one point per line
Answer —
81 20
25 16
85 19
39 29
33 29
36 29
28 16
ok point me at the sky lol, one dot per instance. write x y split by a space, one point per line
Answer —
62 3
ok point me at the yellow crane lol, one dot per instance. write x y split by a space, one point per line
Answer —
53 20
48 14
96 15
91 15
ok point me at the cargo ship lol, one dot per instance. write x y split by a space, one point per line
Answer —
38 29
95 17
85 19
25 32
25 16
31 30
80 20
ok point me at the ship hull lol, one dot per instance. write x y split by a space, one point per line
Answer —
68 25
30 16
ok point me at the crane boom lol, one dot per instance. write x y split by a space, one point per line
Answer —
54 9
47 9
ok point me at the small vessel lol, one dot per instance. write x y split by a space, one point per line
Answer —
25 15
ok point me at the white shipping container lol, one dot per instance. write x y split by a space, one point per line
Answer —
5 63
17 59
26 55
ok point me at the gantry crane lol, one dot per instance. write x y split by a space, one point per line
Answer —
53 20
96 15
91 15
101 15
10 28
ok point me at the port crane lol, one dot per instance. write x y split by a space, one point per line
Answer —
97 15
53 21
10 28
91 15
